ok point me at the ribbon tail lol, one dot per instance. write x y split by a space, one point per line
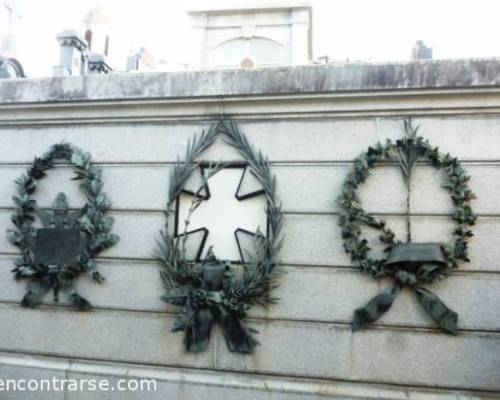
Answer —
36 291
238 336
375 308
198 331
55 287
434 307
75 299
79 302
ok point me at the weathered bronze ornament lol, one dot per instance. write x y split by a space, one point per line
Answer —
410 264
212 290
60 241
206 303
54 255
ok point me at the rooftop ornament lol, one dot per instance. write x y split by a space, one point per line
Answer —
409 264
10 68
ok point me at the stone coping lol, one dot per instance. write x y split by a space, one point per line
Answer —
348 77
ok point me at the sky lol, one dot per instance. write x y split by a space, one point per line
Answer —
354 30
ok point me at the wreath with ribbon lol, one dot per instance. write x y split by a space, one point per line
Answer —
211 291
409 264
53 256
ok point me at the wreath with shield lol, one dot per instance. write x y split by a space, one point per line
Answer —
63 248
409 264
211 290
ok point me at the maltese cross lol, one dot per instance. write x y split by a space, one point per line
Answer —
230 213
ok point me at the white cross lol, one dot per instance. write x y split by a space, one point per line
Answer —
222 214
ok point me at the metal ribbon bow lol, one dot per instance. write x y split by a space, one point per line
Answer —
207 304
411 263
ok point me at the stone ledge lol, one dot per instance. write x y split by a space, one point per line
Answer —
211 383
353 77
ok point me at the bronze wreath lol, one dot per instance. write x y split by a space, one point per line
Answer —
88 228
408 263
210 291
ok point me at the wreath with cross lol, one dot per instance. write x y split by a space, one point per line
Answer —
54 255
409 264
212 290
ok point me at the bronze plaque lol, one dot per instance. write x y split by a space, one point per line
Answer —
58 246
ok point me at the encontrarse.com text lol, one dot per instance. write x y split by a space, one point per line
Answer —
77 385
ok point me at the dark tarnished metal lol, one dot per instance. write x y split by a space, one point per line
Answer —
412 255
209 303
54 255
213 273
213 292
410 264
58 246
61 216
60 241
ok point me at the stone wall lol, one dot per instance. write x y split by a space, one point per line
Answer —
311 122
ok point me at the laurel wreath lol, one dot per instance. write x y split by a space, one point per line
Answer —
260 274
94 223
352 217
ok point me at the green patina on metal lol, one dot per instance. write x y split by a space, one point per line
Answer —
409 264
53 256
212 291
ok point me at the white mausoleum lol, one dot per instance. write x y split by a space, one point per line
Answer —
254 33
